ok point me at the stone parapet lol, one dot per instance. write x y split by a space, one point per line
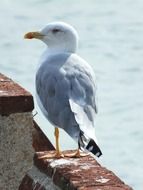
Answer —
83 173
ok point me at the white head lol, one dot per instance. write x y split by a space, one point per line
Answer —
58 36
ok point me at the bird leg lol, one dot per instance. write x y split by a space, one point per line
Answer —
58 152
54 154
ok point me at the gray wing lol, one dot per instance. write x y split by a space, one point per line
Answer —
82 98
66 90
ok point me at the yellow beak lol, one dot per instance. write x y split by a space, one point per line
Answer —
31 35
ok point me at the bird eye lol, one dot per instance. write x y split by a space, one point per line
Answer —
55 31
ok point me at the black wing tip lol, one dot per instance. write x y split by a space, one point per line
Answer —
94 148
89 144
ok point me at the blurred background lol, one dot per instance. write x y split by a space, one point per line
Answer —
111 40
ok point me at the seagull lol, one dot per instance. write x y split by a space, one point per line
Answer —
66 88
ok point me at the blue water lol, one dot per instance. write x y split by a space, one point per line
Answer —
111 40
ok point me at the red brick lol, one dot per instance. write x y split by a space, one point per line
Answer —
79 174
40 140
29 184
14 98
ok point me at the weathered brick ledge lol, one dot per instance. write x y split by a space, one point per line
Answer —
70 174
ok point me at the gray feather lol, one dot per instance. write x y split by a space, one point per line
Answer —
65 83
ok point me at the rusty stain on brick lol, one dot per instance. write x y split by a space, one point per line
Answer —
14 98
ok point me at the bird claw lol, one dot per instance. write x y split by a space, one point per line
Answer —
76 154
59 154
52 155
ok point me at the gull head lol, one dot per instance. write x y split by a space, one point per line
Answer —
58 36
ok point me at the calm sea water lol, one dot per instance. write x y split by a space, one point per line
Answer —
111 40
